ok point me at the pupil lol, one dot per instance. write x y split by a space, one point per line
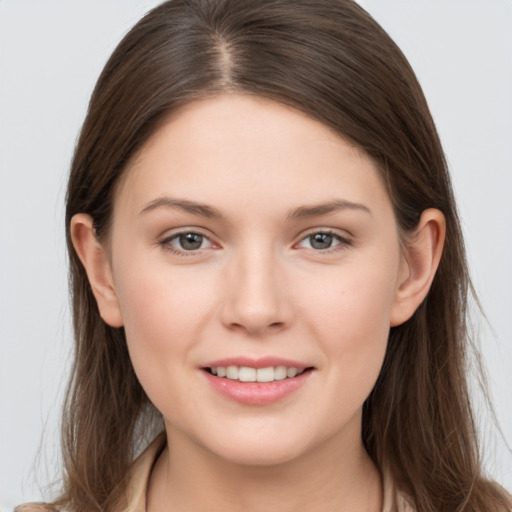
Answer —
321 241
191 241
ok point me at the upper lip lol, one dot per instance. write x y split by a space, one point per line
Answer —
261 362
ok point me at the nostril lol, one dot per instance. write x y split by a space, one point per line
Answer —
254 301
257 328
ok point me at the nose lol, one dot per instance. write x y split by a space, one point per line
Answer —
256 297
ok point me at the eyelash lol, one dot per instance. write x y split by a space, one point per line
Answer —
342 244
167 246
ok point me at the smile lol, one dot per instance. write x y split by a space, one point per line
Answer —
249 374
256 381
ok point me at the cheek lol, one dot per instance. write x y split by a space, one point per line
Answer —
349 313
163 314
156 298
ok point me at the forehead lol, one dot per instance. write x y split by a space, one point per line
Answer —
235 149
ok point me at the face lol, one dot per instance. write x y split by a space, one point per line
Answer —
252 241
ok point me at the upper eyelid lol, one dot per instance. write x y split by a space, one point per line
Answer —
168 246
165 242
170 234
343 234
344 241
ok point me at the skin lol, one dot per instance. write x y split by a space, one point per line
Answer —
258 286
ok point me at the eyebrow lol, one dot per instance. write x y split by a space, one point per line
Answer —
182 204
317 210
300 212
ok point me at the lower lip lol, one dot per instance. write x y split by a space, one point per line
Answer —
256 393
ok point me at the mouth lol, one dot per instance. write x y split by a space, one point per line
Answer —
257 381
251 374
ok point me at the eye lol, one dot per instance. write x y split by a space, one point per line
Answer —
323 241
187 241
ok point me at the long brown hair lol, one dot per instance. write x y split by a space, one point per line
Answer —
330 60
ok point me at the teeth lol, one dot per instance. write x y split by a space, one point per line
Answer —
265 374
280 373
291 372
248 374
232 372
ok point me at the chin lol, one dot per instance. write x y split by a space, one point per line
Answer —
265 454
250 447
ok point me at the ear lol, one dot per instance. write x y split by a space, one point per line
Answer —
95 260
419 265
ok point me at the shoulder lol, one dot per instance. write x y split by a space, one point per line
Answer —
136 485
36 507
140 473
392 499
403 504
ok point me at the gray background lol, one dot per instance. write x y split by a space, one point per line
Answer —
51 53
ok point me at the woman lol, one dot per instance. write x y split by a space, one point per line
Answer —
267 265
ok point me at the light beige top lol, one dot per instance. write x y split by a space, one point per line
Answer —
144 464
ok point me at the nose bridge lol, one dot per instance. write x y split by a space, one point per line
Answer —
256 300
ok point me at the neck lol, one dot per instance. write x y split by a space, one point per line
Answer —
336 476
